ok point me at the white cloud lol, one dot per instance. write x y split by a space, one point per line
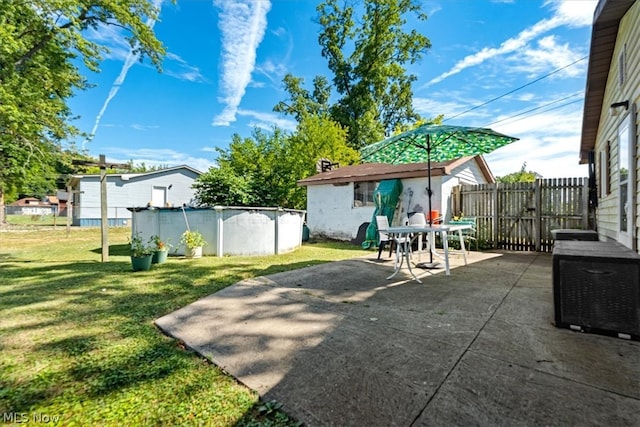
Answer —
526 97
451 104
573 13
569 13
274 72
433 9
112 38
548 55
549 144
268 120
280 31
180 69
158 157
140 127
242 25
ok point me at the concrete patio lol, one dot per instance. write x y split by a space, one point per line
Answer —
339 345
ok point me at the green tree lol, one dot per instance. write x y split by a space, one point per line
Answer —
367 55
523 175
303 103
263 170
254 165
40 44
221 186
316 137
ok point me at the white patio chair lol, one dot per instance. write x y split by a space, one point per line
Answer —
419 219
383 225
383 237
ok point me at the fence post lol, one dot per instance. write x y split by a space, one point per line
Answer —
538 219
276 239
496 210
219 230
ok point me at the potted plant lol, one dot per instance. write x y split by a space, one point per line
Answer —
141 253
193 242
160 249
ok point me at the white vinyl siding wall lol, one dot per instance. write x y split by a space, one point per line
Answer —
129 190
608 207
330 210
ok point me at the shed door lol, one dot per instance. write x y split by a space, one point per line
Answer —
626 173
159 196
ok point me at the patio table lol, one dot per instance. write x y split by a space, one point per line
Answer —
416 231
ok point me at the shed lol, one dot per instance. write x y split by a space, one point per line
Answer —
339 201
160 188
31 206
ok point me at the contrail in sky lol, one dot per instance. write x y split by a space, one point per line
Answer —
242 24
128 62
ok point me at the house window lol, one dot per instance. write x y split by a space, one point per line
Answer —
363 193
625 179
605 174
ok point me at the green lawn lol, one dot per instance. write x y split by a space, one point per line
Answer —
78 343
47 220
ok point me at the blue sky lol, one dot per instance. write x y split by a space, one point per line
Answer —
226 60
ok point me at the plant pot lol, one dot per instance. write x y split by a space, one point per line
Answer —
160 257
194 252
141 263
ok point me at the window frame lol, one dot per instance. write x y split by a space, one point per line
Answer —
364 196
605 170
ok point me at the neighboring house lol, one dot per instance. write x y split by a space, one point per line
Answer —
610 122
61 197
161 188
339 201
30 206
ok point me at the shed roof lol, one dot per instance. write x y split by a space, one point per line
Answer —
606 20
380 171
30 201
126 175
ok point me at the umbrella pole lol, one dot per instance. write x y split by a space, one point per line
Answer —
430 264
429 192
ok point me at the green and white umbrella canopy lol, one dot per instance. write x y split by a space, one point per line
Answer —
437 143
434 143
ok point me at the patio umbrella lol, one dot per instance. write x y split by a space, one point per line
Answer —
437 143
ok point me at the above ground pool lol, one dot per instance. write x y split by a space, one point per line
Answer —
228 230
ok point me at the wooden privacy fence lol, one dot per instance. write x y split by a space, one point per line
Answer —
520 216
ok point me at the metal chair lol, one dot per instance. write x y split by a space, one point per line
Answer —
469 235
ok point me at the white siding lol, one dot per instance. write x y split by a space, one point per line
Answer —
131 190
629 35
414 197
468 173
330 210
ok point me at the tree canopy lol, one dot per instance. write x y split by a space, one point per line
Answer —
263 170
42 42
523 175
367 54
